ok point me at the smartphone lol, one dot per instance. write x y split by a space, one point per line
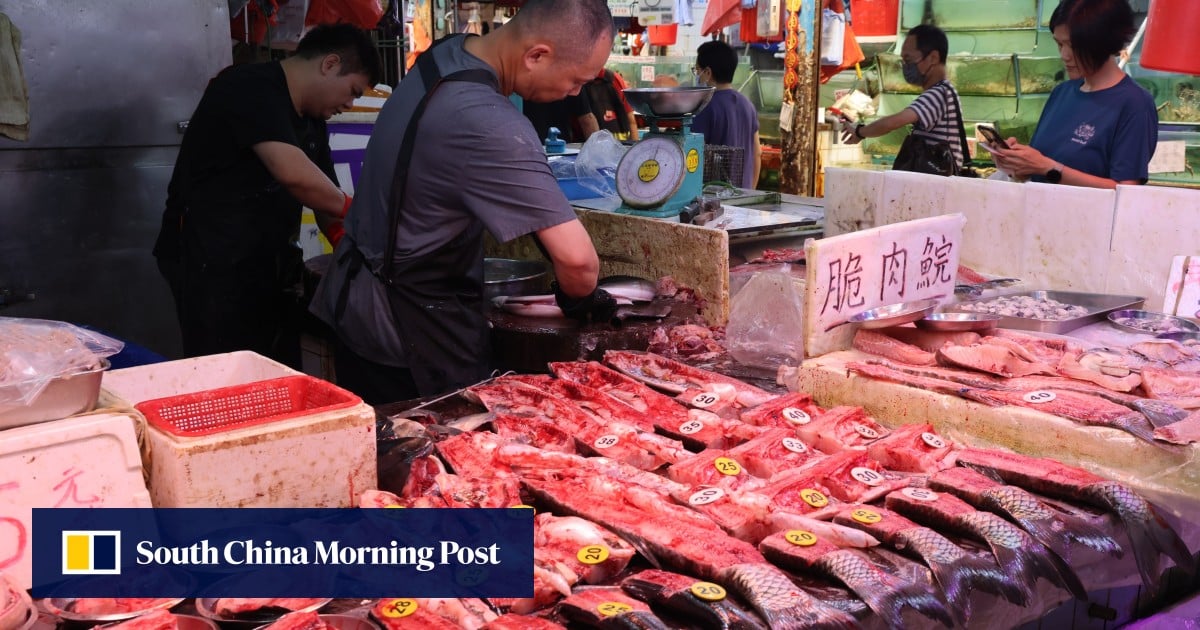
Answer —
993 137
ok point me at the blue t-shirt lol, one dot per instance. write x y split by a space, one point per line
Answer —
730 119
1109 133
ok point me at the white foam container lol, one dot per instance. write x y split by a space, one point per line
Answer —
85 461
320 460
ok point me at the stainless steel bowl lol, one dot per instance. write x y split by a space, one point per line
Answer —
507 276
958 322
206 607
61 607
1150 323
665 102
894 314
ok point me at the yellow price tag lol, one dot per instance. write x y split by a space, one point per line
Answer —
592 554
399 608
814 498
727 466
648 171
863 515
393 506
708 591
693 160
801 538
608 609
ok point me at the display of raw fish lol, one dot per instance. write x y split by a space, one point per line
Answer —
560 538
675 377
876 370
609 608
113 605
472 454
511 621
956 571
704 552
1166 351
163 620
679 593
235 606
696 428
1057 530
1083 408
912 448
408 614
1148 532
309 620
991 358
931 340
541 432
1181 389
851 476
773 452
841 429
534 462
467 613
696 343
799 492
1019 554
1040 349
882 345
603 408
885 593
1185 431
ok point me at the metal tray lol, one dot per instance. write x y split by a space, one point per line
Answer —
66 395
1099 305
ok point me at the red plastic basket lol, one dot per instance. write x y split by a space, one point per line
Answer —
240 406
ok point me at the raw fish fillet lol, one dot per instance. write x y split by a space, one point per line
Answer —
773 452
609 608
1041 349
394 614
111 605
1181 389
466 613
1083 408
1148 532
1185 431
786 411
912 448
842 428
512 621
882 345
309 620
990 358
675 377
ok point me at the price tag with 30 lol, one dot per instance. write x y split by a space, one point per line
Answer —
704 400
706 496
866 476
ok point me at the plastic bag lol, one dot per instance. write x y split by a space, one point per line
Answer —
833 32
596 164
34 352
364 14
855 105
766 321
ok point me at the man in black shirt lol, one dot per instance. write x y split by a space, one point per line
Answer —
256 150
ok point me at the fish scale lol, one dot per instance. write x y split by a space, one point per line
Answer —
1017 552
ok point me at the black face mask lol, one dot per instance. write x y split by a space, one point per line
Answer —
912 74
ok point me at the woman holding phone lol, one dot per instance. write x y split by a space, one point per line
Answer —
1099 128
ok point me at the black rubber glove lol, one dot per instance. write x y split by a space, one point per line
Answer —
597 306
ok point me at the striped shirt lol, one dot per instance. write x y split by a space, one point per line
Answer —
938 115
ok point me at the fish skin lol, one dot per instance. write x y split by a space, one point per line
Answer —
582 606
734 564
885 593
673 591
1148 532
1058 531
1017 552
956 571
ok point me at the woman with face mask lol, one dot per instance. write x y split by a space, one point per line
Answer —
935 113
1099 128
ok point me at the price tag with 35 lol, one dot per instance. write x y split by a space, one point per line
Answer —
866 431
691 427
933 440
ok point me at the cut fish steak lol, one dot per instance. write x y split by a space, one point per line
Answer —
1181 389
675 377
1057 530
1149 534
701 551
843 428
713 467
912 448
786 411
409 614
1018 554
850 476
773 452
885 593
678 593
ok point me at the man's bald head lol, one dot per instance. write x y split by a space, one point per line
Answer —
571 26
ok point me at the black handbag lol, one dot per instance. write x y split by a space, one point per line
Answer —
922 153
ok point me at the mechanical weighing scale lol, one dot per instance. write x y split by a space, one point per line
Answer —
664 171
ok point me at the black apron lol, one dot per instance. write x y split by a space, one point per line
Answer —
437 299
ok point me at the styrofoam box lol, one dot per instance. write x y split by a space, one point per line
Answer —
319 460
85 461
186 376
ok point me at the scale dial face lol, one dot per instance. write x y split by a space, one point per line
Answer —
651 172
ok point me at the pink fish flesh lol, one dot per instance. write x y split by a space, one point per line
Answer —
882 345
676 377
912 448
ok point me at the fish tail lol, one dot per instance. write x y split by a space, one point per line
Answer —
956 579
890 597
782 605
1061 532
1148 533
1033 560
